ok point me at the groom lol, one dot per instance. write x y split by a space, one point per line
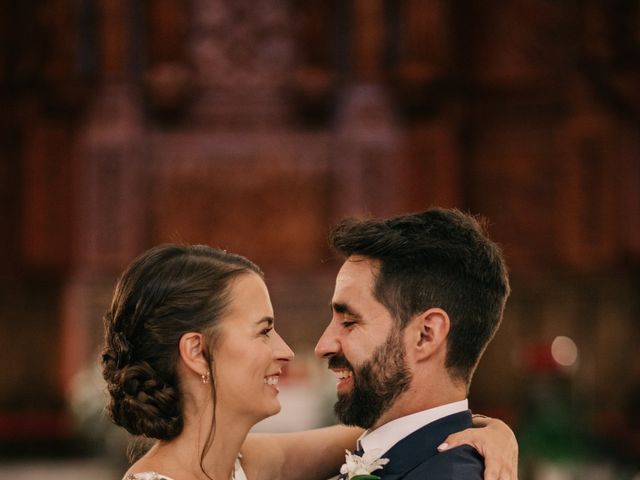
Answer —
416 302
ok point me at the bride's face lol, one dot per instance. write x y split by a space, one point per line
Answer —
250 355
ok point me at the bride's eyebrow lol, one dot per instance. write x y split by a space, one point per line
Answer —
268 320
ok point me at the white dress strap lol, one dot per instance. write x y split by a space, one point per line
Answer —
238 474
147 476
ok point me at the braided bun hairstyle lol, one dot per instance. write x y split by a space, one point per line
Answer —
166 292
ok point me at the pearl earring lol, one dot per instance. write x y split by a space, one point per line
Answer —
205 377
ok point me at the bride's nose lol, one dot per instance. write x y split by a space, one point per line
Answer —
281 350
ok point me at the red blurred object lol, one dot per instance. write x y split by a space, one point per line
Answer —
537 358
34 424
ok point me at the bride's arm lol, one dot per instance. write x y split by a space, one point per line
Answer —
318 454
495 441
311 454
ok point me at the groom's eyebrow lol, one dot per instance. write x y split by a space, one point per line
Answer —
344 309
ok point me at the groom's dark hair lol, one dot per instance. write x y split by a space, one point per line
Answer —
437 258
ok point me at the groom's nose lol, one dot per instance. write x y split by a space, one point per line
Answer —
328 344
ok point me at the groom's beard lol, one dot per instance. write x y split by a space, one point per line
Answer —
376 383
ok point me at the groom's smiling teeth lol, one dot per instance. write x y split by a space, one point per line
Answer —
342 374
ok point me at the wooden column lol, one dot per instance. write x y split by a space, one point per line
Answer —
109 221
369 159
368 40
113 30
167 30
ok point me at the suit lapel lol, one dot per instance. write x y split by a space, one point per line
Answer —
421 445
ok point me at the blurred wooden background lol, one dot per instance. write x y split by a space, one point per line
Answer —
253 125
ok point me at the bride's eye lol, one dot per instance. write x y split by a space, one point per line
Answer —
265 332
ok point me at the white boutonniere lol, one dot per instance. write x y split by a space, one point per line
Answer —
361 468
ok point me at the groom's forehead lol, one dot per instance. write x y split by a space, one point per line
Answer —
357 273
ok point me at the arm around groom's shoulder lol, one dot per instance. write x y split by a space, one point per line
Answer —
460 463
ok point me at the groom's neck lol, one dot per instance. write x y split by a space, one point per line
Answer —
424 394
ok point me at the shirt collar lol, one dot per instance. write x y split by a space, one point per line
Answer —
386 436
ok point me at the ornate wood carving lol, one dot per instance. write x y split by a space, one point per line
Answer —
261 195
520 43
48 196
111 184
512 180
369 161
590 234
242 52
434 171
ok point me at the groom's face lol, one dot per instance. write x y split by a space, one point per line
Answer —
364 347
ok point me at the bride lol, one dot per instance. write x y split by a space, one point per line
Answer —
192 360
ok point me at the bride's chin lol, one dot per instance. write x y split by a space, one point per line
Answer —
276 409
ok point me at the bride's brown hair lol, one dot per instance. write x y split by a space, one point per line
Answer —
166 292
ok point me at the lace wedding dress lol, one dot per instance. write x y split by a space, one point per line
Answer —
238 474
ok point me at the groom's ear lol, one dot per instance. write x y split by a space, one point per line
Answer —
430 330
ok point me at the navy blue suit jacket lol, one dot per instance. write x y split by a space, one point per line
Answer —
416 456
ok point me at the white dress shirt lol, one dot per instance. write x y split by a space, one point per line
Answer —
386 436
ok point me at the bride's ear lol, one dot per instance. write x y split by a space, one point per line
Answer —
192 349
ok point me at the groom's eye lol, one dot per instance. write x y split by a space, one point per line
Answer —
348 324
